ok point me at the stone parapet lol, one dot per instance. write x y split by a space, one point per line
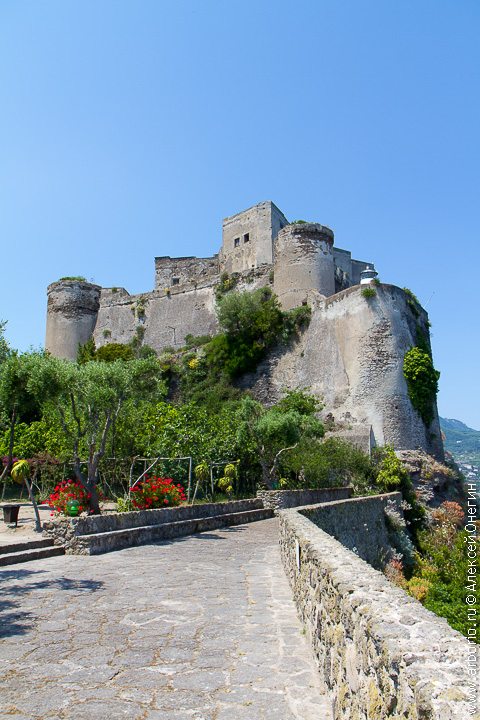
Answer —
283 499
379 651
101 533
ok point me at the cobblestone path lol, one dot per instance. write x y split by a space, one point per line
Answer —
201 628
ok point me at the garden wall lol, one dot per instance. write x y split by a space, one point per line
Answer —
102 533
379 651
283 499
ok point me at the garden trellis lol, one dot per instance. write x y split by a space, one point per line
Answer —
211 466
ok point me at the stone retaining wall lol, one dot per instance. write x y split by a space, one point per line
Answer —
379 651
359 524
283 499
74 532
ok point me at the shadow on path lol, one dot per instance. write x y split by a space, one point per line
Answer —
14 622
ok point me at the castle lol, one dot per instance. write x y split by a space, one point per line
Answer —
351 355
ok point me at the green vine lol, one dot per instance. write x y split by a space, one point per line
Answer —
422 382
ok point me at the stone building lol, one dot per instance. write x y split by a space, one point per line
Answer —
351 354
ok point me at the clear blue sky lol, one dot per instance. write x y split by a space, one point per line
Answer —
130 128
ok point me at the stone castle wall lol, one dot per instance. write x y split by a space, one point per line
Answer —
351 356
303 262
378 650
72 312
248 237
185 272
158 319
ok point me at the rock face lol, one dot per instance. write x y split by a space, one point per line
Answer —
351 356
433 481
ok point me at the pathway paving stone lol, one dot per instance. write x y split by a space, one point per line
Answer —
201 628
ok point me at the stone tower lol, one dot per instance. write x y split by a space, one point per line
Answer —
248 237
72 312
303 261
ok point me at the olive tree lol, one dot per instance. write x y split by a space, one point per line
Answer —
88 400
276 430
17 400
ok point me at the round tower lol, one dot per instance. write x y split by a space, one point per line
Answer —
72 311
303 261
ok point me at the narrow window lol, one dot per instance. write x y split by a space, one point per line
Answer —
236 242
246 237
175 281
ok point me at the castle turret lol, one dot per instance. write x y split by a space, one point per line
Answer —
303 261
71 316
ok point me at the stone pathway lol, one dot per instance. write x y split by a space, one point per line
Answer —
201 628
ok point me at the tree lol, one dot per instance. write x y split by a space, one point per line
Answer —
274 431
4 348
88 399
252 323
17 400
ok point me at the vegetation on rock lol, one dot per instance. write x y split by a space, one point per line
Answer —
422 382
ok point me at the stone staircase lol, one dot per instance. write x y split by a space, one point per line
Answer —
31 550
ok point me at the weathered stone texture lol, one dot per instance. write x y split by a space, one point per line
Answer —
185 271
71 316
378 650
358 523
164 321
282 499
248 237
351 356
303 262
201 629
98 534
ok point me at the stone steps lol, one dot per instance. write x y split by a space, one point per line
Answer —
97 543
26 551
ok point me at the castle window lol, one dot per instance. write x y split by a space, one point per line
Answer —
175 281
246 237
236 242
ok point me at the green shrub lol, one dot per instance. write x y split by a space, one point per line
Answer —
79 278
296 319
86 352
114 351
369 292
422 382
196 340
332 462
412 302
391 475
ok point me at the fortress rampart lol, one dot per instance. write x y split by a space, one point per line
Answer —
351 355
378 650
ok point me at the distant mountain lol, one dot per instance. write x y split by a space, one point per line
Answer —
462 441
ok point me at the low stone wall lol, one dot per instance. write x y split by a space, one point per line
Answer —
283 499
102 533
359 524
379 651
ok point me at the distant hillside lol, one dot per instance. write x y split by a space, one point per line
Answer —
463 442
